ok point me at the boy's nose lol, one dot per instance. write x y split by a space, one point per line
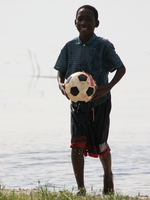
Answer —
84 22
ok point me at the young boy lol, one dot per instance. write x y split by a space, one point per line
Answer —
90 121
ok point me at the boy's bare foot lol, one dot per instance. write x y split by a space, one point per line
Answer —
81 192
108 185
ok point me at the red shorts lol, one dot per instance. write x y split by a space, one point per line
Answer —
89 129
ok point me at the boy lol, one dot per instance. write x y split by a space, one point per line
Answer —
90 121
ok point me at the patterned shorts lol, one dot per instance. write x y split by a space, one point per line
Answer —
89 129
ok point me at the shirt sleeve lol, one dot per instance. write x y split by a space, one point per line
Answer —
112 60
61 63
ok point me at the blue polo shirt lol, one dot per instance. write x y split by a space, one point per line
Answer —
97 57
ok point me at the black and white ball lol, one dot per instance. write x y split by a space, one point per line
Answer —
80 86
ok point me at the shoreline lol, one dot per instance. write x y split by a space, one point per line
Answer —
30 192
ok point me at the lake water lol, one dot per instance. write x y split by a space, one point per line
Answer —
35 136
34 116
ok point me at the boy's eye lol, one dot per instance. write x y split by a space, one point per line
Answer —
87 20
79 20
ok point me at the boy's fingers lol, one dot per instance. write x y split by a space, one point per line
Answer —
97 87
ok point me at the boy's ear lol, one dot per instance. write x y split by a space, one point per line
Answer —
97 23
75 22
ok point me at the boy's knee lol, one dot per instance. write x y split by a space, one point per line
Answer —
104 150
77 150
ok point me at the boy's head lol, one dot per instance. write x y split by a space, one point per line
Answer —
86 21
95 12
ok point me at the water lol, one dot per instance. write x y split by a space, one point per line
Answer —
35 137
34 116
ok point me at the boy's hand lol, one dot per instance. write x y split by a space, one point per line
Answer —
101 91
61 85
62 88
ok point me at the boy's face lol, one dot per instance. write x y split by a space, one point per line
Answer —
85 22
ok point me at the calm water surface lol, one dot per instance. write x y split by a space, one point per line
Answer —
35 138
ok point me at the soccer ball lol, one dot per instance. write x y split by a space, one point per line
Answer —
80 86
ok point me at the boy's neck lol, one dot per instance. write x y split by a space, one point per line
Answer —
85 39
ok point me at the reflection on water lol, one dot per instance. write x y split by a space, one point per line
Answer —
35 139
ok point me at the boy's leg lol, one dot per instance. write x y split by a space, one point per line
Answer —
78 165
108 175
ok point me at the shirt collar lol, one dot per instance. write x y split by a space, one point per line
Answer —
90 41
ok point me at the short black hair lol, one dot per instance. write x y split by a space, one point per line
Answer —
90 8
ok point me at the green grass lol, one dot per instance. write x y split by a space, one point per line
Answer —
42 193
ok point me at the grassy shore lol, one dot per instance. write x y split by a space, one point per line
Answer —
42 193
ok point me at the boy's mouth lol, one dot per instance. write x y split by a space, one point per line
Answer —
83 29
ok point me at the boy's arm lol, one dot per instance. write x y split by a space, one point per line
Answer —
102 90
61 80
118 75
